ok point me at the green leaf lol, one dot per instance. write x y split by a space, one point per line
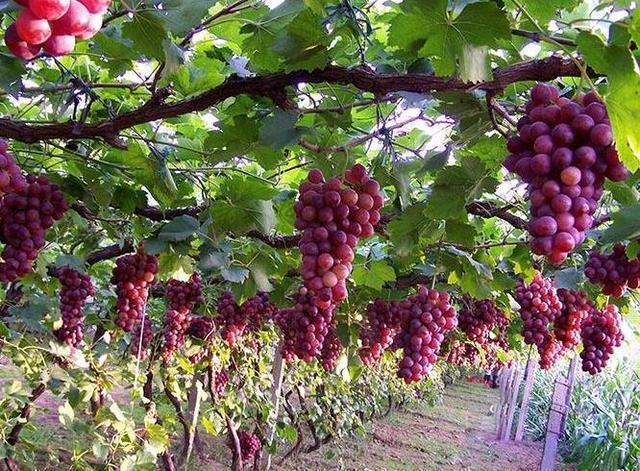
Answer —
279 130
625 225
180 228
11 71
545 10
147 33
406 229
374 274
235 274
460 232
568 278
428 28
180 16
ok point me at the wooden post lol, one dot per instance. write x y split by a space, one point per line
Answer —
505 390
526 397
571 376
557 417
513 400
276 387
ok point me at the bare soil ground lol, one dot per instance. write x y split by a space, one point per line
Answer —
458 434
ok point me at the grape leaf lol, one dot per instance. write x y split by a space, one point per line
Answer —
374 274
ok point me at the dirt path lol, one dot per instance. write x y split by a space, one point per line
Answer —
456 435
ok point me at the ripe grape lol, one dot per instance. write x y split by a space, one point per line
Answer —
612 271
600 335
18 47
428 319
249 444
257 310
186 294
332 215
232 317
575 309
539 307
331 349
133 275
176 323
76 289
49 9
550 351
563 151
201 327
59 45
31 29
25 215
381 326
219 381
304 327
141 337
75 21
478 318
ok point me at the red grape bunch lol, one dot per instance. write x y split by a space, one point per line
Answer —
331 349
53 25
141 337
133 275
550 351
539 307
477 318
219 381
25 215
304 327
429 318
575 309
249 444
600 335
257 310
614 272
185 293
564 151
76 289
11 178
176 323
333 215
232 317
202 327
381 326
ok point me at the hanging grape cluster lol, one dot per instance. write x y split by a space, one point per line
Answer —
25 215
257 310
77 287
539 308
182 297
232 318
428 319
249 444
11 178
201 327
381 326
53 26
600 334
576 308
141 337
133 275
564 151
219 382
304 327
478 318
614 272
331 349
332 216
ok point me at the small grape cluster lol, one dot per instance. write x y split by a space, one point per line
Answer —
185 293
382 325
564 151
141 337
249 444
202 327
429 318
232 317
600 334
539 307
550 351
11 178
304 327
477 318
257 310
331 349
614 272
575 310
176 323
53 25
460 353
25 215
133 275
77 287
333 215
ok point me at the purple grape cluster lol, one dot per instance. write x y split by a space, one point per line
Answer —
141 337
257 310
331 349
564 151
381 326
25 216
600 335
614 272
77 287
133 275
